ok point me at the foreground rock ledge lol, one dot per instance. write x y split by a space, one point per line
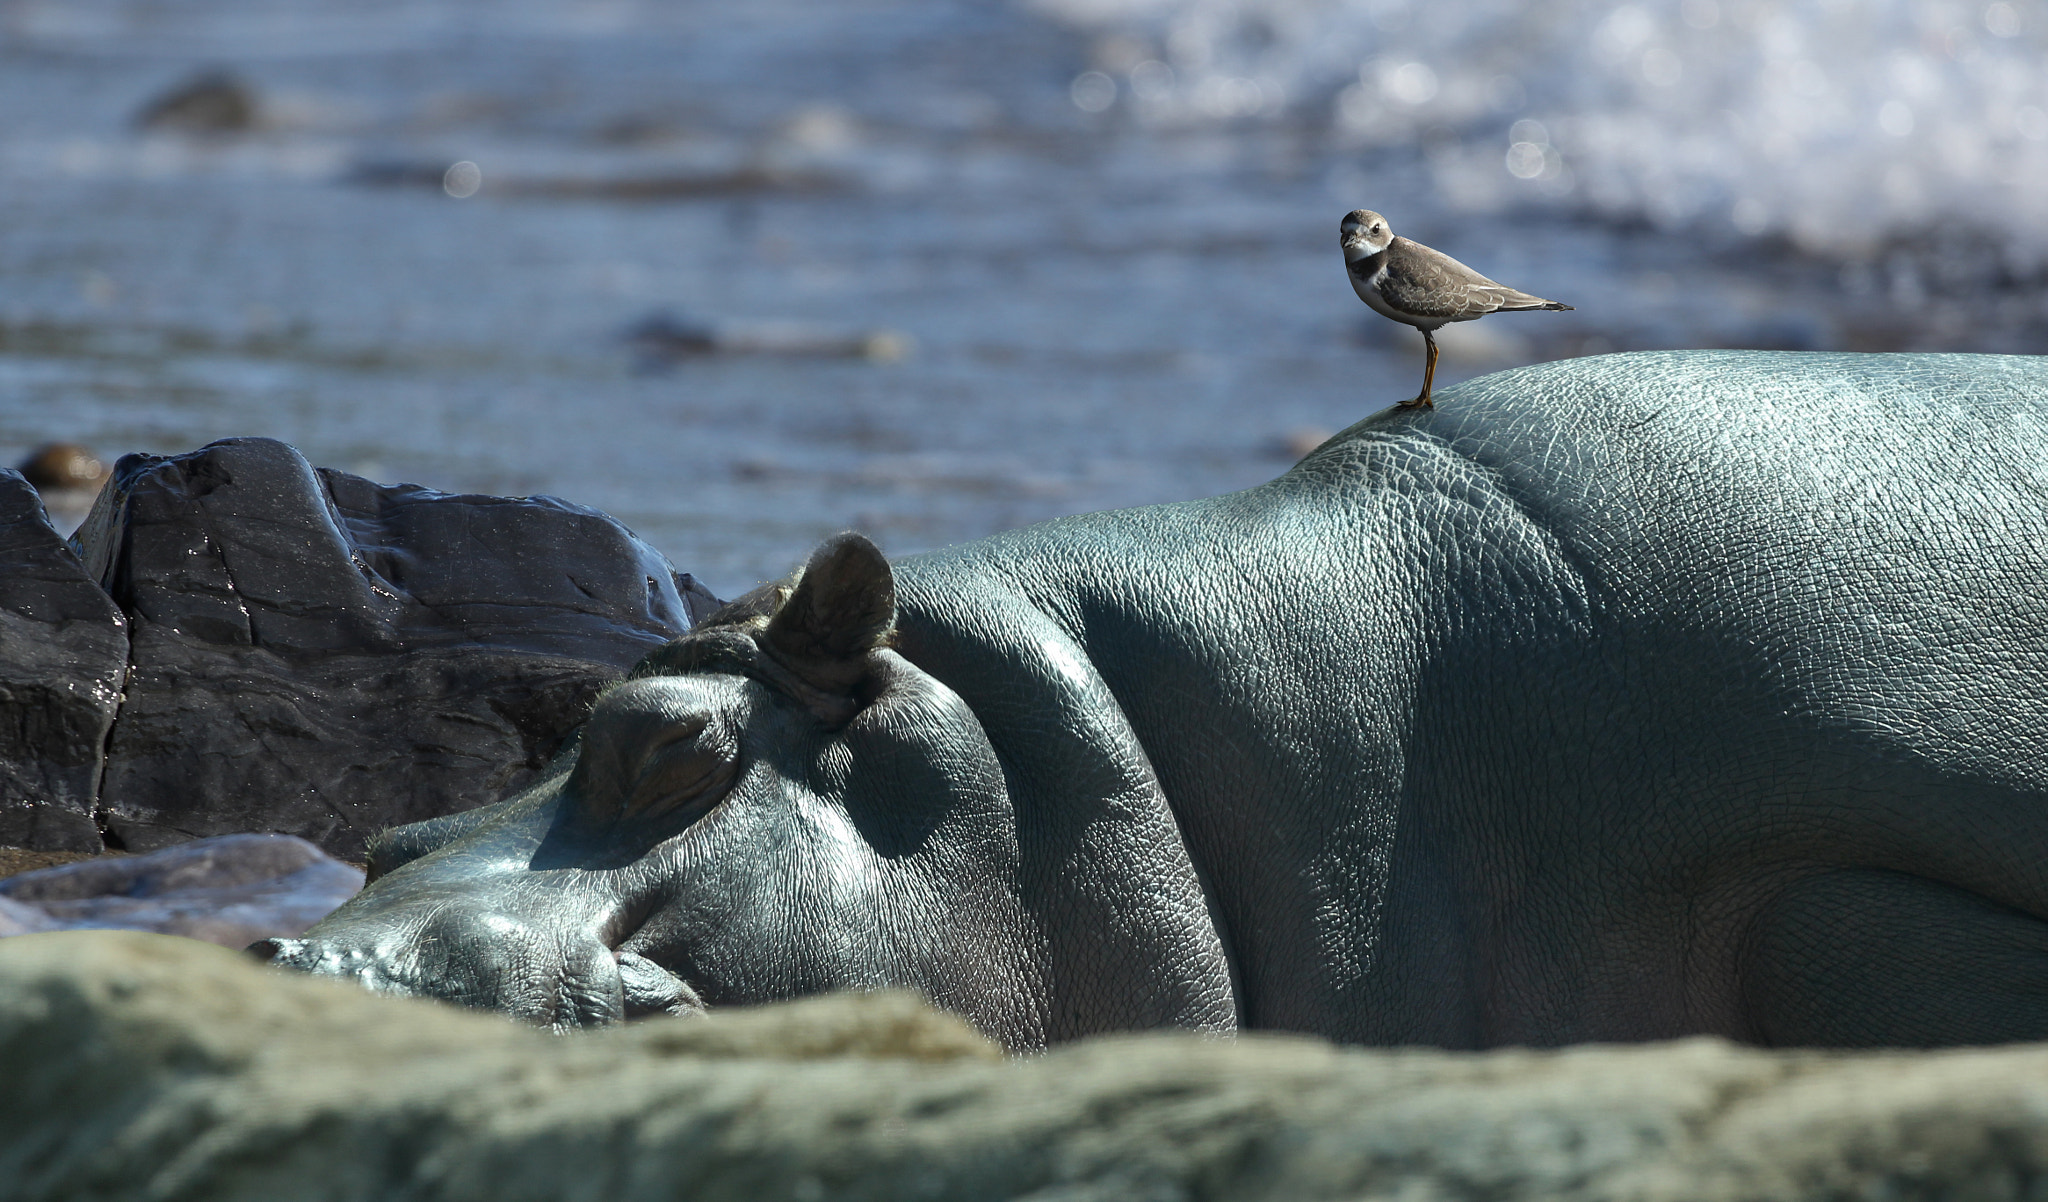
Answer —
145 1066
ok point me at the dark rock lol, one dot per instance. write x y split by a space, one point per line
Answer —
210 103
63 658
322 656
232 890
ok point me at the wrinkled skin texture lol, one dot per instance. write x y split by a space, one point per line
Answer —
1616 699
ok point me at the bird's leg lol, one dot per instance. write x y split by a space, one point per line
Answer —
1428 375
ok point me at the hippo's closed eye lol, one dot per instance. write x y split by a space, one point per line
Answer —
692 761
657 745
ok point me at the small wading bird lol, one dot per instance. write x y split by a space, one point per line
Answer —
1425 288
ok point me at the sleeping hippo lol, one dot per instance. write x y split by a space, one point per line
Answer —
1617 699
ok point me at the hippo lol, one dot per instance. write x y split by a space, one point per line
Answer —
1616 699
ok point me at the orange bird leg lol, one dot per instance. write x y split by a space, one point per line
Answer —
1428 376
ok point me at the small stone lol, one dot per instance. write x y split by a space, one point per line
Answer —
1301 442
662 339
210 103
65 466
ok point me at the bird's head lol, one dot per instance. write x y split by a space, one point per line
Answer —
1365 233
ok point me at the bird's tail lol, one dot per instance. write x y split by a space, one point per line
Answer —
1514 301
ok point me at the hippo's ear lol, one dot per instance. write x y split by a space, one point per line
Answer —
843 606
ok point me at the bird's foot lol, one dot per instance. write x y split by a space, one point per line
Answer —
1421 402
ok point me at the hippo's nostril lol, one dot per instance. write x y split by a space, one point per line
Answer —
270 949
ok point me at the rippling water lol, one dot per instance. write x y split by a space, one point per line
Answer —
1040 258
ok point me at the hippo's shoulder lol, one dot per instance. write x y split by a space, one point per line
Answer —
1709 471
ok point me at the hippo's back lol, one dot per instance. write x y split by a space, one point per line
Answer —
1734 700
1872 529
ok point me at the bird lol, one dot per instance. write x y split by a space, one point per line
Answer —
1424 288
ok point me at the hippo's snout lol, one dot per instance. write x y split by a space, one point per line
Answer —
518 971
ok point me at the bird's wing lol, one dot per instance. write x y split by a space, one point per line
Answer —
1506 299
1429 283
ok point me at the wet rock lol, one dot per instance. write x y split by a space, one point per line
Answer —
213 102
317 655
144 1066
63 659
232 890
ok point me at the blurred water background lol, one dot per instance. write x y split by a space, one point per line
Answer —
746 272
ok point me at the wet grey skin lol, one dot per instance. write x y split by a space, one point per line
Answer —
1630 697
1424 288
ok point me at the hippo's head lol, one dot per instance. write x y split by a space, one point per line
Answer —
775 804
